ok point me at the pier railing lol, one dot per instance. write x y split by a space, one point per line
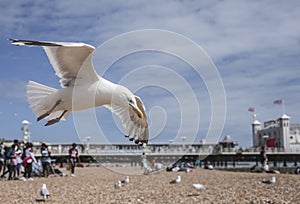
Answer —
156 149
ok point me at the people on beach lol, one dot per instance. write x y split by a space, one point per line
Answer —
73 158
2 158
19 160
11 162
264 158
46 160
28 160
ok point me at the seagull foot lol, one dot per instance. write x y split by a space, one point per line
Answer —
43 116
50 111
51 122
144 141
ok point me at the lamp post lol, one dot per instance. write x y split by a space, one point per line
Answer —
183 142
87 143
25 130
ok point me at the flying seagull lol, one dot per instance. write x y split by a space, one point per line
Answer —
44 192
72 63
177 180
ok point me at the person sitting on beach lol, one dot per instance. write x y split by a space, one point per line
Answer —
73 157
57 171
46 160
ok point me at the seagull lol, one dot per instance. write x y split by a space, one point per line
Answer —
199 186
118 184
270 181
72 63
177 180
125 180
44 192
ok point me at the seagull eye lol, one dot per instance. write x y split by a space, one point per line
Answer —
130 101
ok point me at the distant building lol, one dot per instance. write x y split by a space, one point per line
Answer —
278 134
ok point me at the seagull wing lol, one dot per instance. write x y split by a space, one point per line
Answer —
136 128
67 59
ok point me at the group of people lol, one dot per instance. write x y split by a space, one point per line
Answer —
14 158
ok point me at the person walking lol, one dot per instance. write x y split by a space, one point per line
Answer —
73 158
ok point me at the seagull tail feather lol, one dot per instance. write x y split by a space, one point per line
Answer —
37 95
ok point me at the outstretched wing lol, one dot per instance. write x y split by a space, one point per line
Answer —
136 128
67 59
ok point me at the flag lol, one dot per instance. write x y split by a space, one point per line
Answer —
278 102
271 142
251 109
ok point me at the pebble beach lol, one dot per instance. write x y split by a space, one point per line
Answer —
96 185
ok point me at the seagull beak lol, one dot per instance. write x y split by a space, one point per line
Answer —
137 110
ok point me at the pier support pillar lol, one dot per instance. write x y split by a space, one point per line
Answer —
295 164
275 164
284 164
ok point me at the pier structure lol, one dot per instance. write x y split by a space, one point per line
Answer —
278 134
130 154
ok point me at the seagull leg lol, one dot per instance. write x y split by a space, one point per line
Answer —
50 111
55 120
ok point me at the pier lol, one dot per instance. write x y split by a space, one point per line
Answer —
169 153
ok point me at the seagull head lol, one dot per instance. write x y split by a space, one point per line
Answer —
125 98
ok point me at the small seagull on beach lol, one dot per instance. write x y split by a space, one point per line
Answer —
83 88
125 180
118 184
199 186
44 192
270 181
177 180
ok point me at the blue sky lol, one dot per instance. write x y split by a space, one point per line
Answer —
255 46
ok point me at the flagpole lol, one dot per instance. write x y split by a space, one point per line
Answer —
282 106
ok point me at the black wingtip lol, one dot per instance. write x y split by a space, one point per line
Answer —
32 43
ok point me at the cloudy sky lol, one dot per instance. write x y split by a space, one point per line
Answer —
254 45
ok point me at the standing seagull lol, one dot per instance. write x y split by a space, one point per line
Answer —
125 180
199 186
177 180
44 192
270 181
72 63
118 184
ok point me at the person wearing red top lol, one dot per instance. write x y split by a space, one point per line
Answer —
73 157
